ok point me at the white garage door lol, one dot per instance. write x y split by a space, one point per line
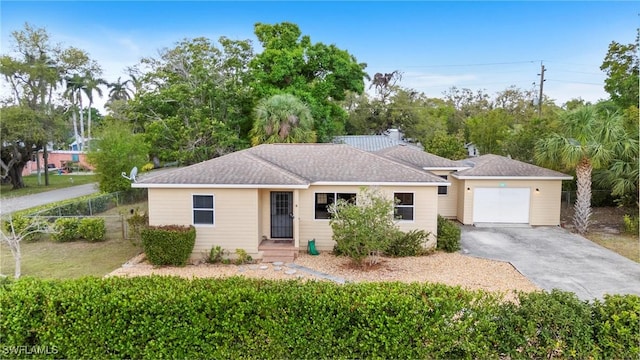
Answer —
501 205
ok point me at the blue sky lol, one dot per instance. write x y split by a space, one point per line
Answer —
476 45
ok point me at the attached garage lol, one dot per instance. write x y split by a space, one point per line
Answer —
501 205
496 189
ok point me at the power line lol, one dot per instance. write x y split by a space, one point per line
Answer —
576 82
465 65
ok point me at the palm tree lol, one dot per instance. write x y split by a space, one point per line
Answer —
74 87
586 140
119 90
92 84
282 119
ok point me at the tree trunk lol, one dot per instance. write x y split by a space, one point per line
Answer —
45 156
89 121
582 207
15 172
81 147
17 255
75 125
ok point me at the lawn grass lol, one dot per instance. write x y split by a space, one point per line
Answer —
624 244
50 260
55 182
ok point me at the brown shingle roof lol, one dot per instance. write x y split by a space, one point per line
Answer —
419 158
500 166
296 164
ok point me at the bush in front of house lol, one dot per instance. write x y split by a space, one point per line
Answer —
92 229
168 245
631 224
24 224
363 230
66 229
171 317
410 243
448 235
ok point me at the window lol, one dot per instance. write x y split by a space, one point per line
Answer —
203 210
323 200
404 206
442 190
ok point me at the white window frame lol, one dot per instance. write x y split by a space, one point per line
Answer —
335 197
446 188
413 207
194 209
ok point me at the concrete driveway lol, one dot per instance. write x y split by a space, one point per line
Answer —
554 258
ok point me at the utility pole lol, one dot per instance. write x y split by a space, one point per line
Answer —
542 70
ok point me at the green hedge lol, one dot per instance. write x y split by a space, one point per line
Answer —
448 235
164 317
66 229
92 229
168 245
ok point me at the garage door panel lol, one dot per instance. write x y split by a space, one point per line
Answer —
501 205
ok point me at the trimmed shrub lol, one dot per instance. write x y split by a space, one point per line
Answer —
171 317
448 235
23 224
242 257
168 245
92 229
407 244
616 323
66 229
548 325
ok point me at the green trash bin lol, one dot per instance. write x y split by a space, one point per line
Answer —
311 247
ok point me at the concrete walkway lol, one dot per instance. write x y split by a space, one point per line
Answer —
10 205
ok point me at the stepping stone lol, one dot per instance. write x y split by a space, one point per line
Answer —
277 268
278 263
290 272
241 269
264 267
253 267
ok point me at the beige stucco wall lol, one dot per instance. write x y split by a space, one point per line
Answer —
236 217
242 216
448 204
425 213
544 207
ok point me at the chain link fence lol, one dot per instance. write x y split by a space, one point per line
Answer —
599 198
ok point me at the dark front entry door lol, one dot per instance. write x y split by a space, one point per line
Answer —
281 215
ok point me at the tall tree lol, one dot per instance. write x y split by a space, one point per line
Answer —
489 130
621 65
318 74
282 119
117 150
33 75
194 102
92 84
585 141
119 90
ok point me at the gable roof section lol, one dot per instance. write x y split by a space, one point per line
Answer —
295 166
420 158
500 167
371 142
238 168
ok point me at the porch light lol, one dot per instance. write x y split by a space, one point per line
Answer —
537 191
468 189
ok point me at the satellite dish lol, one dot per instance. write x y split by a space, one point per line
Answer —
133 174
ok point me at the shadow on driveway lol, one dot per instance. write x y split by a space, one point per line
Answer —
553 258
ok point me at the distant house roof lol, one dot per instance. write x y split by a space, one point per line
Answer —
418 157
374 142
487 166
294 165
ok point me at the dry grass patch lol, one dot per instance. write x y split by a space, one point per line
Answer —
623 244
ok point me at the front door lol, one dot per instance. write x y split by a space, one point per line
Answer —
282 215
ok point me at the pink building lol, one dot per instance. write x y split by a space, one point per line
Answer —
58 158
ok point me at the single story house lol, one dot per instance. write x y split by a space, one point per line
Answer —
273 198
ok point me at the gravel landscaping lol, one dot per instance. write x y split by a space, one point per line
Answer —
446 268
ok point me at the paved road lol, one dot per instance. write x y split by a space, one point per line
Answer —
24 202
552 257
